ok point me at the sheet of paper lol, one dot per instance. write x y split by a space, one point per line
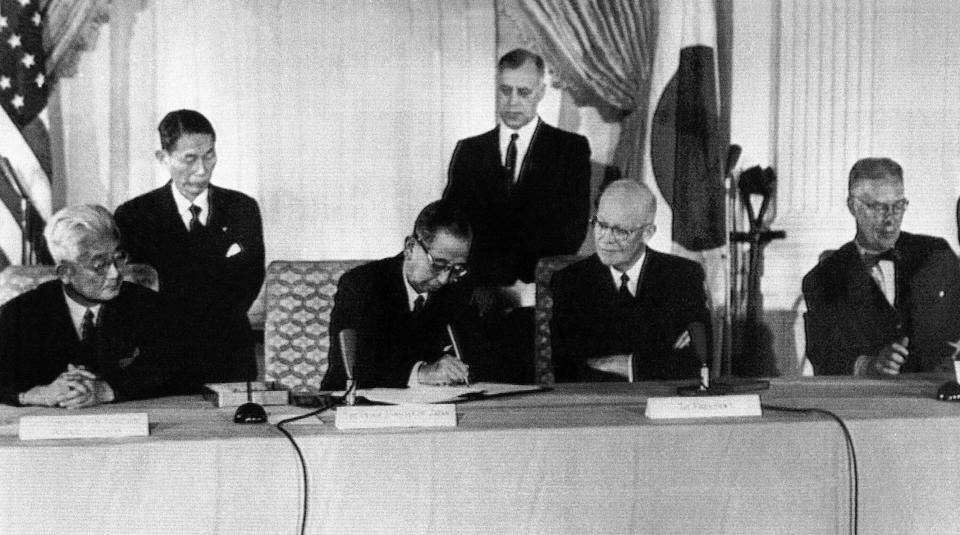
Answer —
442 394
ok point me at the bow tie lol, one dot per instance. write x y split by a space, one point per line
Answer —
872 259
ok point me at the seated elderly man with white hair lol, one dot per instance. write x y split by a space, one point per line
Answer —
87 337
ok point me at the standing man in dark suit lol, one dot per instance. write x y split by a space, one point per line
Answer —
87 337
525 186
400 308
887 302
628 312
206 243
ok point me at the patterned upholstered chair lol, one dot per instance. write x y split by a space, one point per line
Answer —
299 298
18 279
543 311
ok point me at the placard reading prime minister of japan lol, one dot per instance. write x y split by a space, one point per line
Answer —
379 416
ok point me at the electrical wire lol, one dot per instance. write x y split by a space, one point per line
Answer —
329 402
852 474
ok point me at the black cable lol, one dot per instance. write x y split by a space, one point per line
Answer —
852 474
329 402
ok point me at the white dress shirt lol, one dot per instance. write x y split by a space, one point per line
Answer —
78 311
884 273
524 135
183 206
633 272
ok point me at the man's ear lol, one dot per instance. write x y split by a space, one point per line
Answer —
65 272
850 206
161 156
408 244
540 92
648 232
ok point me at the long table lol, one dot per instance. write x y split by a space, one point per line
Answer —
576 459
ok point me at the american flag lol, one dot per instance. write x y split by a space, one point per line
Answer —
23 84
23 95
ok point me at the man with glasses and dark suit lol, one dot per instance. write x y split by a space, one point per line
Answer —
887 302
404 308
627 312
87 337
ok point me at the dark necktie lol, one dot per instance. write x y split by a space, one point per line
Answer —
195 224
510 164
624 288
87 356
418 304
88 328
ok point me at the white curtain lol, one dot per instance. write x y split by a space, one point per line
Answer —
339 116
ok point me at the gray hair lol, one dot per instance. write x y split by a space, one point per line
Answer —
868 169
69 228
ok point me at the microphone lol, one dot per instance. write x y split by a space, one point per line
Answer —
698 339
723 385
250 412
348 351
733 155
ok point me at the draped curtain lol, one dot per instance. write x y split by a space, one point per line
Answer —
602 53
70 27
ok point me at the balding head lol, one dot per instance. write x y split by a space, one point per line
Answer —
624 223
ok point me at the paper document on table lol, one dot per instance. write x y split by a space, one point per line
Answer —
443 394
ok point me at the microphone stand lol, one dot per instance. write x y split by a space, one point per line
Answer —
250 412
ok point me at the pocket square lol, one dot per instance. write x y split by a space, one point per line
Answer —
234 250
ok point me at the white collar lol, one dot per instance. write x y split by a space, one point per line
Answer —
77 311
525 132
633 272
412 294
183 205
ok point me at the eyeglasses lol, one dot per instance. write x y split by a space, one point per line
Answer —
440 266
883 208
619 233
101 264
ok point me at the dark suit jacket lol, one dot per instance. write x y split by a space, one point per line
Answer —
545 215
391 339
210 292
135 351
848 316
590 320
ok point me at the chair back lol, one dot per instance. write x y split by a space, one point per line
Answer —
299 299
543 311
15 280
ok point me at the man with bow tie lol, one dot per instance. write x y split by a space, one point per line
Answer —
887 302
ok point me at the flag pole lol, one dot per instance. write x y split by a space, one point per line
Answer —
26 249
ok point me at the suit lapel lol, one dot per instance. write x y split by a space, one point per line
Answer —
396 290
863 295
530 163
496 180
606 289
171 217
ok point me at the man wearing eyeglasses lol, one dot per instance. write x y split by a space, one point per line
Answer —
887 302
87 337
404 307
625 313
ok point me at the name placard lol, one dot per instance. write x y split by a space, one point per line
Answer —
703 407
133 424
382 416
